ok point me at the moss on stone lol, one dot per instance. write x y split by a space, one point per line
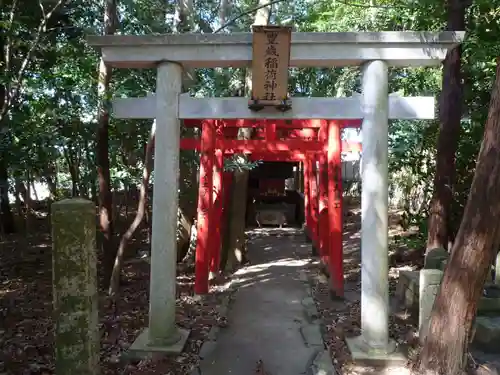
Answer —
74 282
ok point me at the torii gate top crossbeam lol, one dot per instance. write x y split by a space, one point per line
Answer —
406 48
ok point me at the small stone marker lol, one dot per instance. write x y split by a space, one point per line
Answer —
436 259
429 284
74 280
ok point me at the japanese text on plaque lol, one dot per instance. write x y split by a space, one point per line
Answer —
271 63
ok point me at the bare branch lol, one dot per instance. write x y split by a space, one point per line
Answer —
8 46
346 3
232 20
41 8
17 85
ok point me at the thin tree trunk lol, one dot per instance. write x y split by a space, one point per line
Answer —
7 222
235 251
473 252
73 171
450 114
28 203
51 179
18 195
102 154
139 216
183 15
33 187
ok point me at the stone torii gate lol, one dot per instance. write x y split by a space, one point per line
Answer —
374 51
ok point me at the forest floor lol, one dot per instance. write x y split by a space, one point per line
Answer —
26 324
342 319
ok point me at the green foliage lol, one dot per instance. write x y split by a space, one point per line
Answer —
238 164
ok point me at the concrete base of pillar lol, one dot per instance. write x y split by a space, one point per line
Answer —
362 354
141 349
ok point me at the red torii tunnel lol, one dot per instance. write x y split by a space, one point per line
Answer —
307 141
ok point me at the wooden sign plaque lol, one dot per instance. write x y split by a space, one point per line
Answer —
270 61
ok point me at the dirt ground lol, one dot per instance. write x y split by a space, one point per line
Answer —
342 319
26 324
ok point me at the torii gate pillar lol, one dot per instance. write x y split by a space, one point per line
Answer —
163 335
374 339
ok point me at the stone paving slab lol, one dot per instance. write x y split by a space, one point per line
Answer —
271 316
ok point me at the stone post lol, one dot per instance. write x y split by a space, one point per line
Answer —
162 335
374 207
162 329
374 340
429 284
74 280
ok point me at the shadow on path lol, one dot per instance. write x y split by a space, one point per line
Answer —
266 318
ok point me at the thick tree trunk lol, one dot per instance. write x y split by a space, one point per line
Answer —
473 252
235 251
102 154
450 113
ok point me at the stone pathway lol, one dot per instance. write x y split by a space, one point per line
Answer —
272 316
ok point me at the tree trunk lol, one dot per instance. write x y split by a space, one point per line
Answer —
473 252
184 11
73 169
114 284
25 194
50 176
450 113
7 222
235 251
102 154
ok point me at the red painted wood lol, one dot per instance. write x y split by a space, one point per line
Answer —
261 146
305 134
307 196
313 189
271 135
335 208
291 124
217 210
275 133
323 200
205 207
249 146
282 156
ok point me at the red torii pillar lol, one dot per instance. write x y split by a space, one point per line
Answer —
216 231
323 227
313 203
205 207
335 209
307 198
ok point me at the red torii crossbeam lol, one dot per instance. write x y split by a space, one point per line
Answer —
307 141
